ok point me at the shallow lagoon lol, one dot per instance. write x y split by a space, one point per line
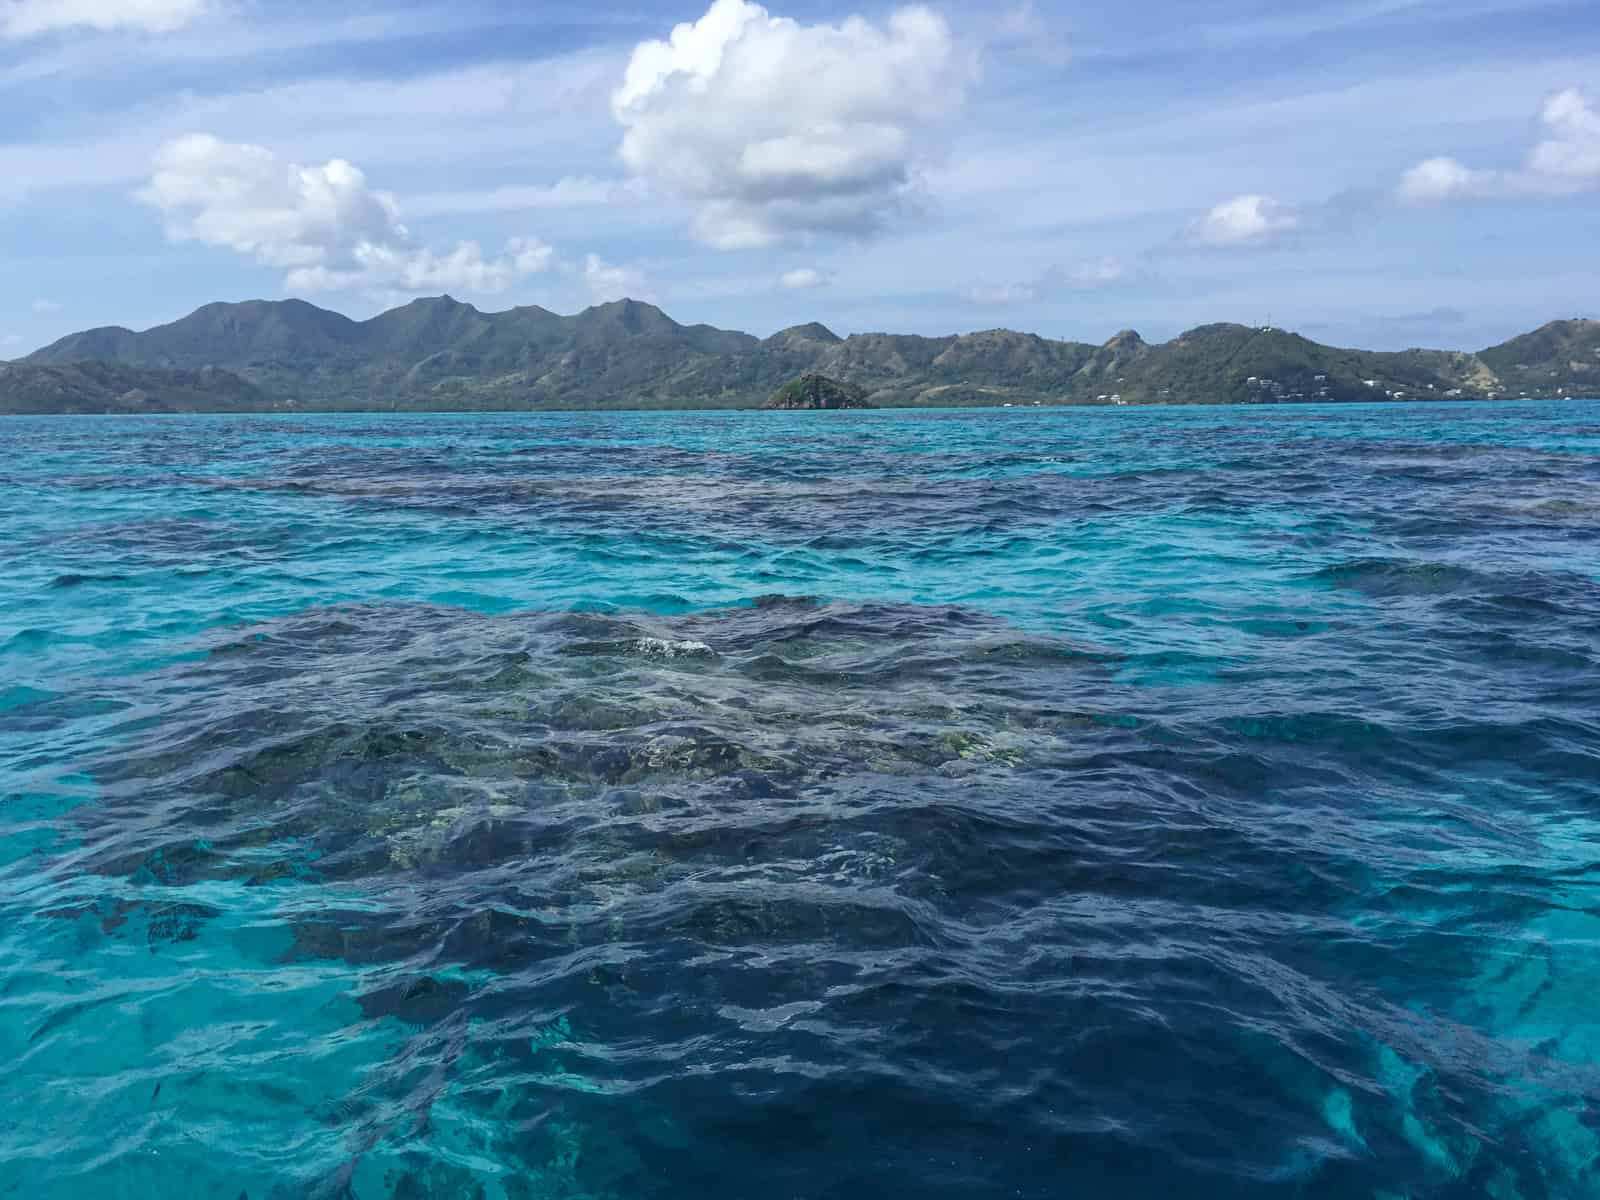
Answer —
1027 803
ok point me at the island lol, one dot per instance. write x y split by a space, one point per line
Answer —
440 355
812 390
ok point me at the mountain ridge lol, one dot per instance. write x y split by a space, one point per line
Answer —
439 353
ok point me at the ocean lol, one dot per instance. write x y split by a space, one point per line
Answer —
1045 803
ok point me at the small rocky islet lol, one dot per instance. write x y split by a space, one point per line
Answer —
816 391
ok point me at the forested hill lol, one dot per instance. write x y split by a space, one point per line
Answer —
440 354
102 387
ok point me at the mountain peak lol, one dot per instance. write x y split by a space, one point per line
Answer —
445 303
812 331
627 304
633 316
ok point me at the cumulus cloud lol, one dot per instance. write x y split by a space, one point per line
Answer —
1571 148
803 277
774 129
28 18
1565 160
325 225
1244 221
417 269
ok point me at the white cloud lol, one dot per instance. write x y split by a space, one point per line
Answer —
46 306
1566 160
324 225
1572 148
417 269
11 339
774 129
1445 179
1244 221
803 277
27 18
608 282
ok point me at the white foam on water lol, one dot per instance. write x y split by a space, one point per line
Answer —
665 648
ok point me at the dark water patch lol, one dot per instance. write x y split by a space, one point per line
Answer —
74 580
1390 578
905 875
157 922
418 1000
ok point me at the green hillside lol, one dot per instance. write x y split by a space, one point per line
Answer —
97 387
440 354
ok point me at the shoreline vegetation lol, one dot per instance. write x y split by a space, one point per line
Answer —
440 355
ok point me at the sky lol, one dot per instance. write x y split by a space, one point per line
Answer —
1378 173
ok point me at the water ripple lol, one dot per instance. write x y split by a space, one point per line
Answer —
940 804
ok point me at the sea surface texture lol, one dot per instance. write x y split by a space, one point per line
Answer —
1045 804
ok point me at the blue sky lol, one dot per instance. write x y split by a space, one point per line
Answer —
1373 172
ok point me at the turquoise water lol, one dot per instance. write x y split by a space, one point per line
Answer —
1024 803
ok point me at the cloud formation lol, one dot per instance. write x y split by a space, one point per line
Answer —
1565 160
325 226
1445 179
801 278
775 130
29 18
1571 147
46 306
1244 221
